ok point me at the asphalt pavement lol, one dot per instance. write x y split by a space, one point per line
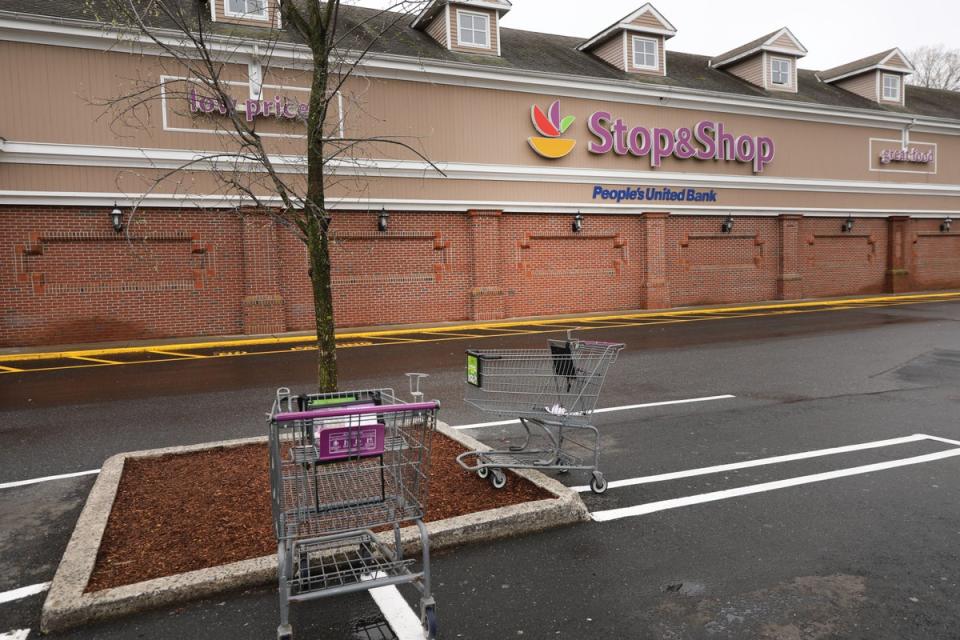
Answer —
860 543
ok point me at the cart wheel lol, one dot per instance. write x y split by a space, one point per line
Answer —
498 479
430 624
598 484
483 472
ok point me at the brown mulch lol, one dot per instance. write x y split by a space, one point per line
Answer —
197 510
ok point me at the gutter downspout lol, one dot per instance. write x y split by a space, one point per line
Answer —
905 142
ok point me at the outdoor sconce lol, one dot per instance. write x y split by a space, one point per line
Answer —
727 225
116 218
847 226
382 220
577 223
945 225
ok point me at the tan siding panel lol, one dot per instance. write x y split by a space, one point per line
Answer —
660 58
455 32
784 42
750 70
897 61
438 28
864 85
611 52
649 20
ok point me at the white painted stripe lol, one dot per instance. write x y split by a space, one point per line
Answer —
16 634
22 483
663 505
628 407
946 440
398 614
747 464
23 592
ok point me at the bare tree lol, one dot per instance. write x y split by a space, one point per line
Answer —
190 64
937 67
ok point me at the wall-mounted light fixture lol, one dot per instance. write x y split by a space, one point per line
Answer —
945 225
116 218
578 223
727 225
382 220
847 225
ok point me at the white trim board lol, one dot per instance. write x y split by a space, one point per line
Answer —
713 496
106 199
82 34
131 157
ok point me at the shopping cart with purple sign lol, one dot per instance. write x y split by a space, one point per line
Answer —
554 390
346 469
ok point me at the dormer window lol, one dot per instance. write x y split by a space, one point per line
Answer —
473 29
645 53
250 9
891 87
780 72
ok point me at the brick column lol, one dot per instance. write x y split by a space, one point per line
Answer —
486 291
262 304
898 254
789 281
655 291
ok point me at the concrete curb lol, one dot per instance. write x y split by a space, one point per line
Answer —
67 606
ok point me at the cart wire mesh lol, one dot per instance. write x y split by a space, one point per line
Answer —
560 384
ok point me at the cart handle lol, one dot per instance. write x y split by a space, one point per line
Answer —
336 412
483 356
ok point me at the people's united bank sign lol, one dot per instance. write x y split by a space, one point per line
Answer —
705 140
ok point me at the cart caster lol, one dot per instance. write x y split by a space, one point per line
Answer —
483 472
430 623
498 479
598 484
284 632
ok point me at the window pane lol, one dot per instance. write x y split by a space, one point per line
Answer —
644 53
473 29
236 6
256 7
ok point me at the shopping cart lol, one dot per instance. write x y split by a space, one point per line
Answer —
554 390
343 465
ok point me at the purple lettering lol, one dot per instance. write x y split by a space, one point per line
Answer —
303 110
702 134
192 98
746 149
639 140
252 107
663 146
684 149
724 143
598 128
620 138
207 104
765 153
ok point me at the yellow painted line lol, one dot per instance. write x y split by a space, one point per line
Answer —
559 323
10 370
175 354
97 360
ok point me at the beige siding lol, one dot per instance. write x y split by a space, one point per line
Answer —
455 30
750 69
220 6
784 42
438 29
864 85
791 86
897 61
649 20
611 52
659 71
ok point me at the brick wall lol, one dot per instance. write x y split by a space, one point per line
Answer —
66 276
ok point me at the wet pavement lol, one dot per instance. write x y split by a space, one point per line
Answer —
871 555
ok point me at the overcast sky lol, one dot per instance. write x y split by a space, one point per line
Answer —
834 31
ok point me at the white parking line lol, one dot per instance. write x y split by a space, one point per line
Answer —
16 634
398 614
628 407
23 592
663 505
689 473
22 483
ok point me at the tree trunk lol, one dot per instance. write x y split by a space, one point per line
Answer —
318 250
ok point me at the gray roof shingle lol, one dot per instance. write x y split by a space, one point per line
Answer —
547 53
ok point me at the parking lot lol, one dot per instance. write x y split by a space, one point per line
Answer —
789 473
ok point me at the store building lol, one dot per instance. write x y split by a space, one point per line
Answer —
581 175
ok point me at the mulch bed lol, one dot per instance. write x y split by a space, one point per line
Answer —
191 511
